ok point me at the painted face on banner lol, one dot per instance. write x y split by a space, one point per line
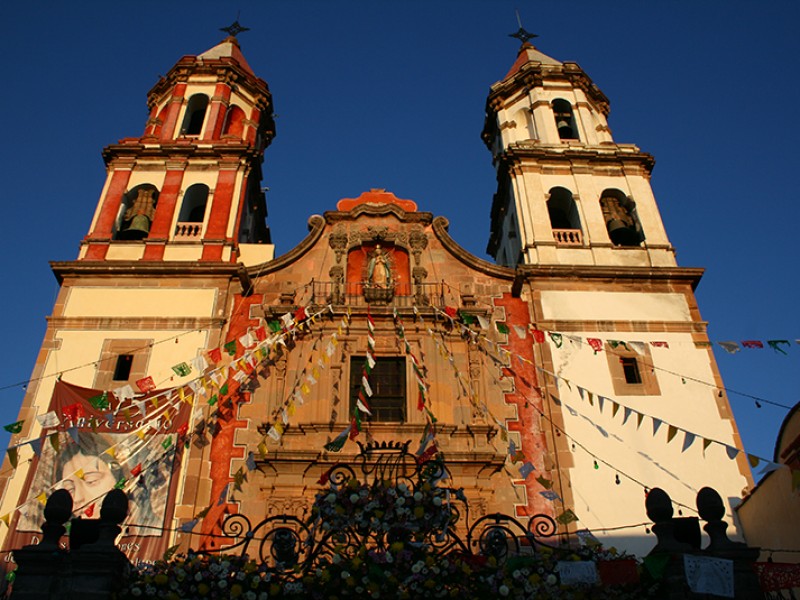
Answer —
96 481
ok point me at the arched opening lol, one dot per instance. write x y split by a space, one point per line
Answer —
564 218
619 213
195 115
565 120
136 213
193 208
234 122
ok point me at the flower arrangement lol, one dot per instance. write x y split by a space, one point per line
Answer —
383 506
401 571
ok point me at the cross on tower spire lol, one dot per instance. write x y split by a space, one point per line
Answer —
235 28
522 35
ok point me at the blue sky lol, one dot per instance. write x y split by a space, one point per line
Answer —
391 95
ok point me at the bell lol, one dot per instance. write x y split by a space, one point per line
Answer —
622 234
137 230
564 129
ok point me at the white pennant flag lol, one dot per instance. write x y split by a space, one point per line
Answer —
199 363
142 406
365 384
483 322
274 434
520 331
48 420
370 361
287 320
362 407
124 393
330 349
637 347
706 575
298 398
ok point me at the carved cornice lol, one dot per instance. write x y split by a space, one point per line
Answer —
181 148
440 229
531 273
378 210
592 155
138 269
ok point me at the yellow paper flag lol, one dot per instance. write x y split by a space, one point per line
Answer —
79 473
42 498
6 518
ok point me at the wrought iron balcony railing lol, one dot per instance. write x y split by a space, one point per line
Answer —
362 293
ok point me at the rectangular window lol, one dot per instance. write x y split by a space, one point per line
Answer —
388 383
631 370
122 371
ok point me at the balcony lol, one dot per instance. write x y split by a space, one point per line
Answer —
568 237
188 232
361 294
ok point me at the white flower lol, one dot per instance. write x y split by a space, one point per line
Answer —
222 584
345 574
417 567
330 498
551 579
401 501
437 501
503 589
354 498
417 496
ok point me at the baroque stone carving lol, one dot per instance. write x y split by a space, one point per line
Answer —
338 241
418 242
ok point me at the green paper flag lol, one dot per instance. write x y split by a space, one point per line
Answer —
544 482
775 345
182 369
167 443
467 319
99 402
213 400
656 564
557 338
502 328
274 326
230 347
120 484
224 389
12 456
567 517
336 444
14 427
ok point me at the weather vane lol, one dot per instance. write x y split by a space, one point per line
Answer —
235 28
522 35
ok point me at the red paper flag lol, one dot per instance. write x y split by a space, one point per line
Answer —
146 384
451 312
752 344
89 511
261 334
300 314
73 411
215 355
596 344
538 336
137 470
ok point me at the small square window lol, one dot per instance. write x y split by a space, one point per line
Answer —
122 371
387 380
631 370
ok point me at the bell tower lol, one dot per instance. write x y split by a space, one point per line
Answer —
189 188
567 193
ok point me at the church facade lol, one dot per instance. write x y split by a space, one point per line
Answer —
185 363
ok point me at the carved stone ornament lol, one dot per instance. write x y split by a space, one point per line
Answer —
418 242
338 241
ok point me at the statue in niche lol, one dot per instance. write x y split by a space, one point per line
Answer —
379 280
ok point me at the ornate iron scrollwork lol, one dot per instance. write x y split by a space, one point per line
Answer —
384 499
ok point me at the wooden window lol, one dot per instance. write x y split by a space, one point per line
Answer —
119 356
388 383
632 373
123 369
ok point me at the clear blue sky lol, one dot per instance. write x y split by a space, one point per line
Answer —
391 95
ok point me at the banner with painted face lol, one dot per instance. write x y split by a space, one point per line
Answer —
100 444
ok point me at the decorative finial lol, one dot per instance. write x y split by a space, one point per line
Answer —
522 35
235 28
